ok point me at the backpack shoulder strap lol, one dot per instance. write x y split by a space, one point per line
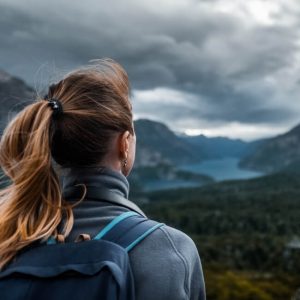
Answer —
128 229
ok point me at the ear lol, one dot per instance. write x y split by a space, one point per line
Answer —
124 144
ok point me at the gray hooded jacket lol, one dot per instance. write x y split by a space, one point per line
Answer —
165 265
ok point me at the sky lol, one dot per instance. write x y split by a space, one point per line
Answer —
213 67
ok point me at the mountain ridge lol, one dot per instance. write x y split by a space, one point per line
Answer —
157 143
281 152
15 94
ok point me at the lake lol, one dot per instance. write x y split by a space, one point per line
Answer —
221 169
157 185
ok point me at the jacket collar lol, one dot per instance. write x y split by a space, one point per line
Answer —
102 183
97 177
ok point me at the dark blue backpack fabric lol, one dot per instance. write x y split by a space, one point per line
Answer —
95 269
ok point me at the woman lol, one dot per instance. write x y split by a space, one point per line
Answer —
85 126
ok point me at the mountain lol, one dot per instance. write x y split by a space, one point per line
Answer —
14 95
156 144
220 147
279 153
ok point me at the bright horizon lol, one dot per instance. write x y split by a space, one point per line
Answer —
232 131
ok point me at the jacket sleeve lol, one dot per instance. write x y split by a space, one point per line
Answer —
166 265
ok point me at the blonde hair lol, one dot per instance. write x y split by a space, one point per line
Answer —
95 101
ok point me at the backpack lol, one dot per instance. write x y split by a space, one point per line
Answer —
95 269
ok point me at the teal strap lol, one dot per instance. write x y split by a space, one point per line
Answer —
51 240
145 234
106 229
113 223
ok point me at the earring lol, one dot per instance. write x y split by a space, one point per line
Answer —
125 162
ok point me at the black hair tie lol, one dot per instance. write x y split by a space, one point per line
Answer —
56 106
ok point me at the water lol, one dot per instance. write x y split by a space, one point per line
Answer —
155 185
218 169
221 169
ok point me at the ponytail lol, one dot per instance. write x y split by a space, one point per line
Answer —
96 107
31 207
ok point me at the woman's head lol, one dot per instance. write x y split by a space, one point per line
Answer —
94 129
96 110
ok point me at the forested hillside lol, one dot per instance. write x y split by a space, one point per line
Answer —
247 233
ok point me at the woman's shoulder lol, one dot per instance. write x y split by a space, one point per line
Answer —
179 246
168 258
171 241
178 243
179 240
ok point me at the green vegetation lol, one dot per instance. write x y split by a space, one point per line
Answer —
247 233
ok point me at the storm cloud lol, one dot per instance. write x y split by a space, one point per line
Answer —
196 65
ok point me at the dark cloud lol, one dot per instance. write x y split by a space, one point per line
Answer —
238 68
